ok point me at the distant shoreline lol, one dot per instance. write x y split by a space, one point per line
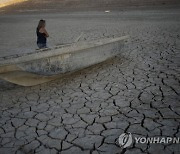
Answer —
72 10
36 6
5 3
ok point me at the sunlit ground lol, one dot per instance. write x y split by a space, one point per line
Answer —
4 3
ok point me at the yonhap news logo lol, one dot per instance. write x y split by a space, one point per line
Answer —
126 139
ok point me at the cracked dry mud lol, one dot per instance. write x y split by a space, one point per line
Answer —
137 92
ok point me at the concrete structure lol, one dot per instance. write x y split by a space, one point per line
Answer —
59 60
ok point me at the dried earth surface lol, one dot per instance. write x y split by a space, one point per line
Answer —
137 92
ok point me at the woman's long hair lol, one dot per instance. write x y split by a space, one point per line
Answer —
41 24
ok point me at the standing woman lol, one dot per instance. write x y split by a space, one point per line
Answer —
42 34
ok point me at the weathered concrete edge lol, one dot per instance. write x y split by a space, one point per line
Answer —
64 50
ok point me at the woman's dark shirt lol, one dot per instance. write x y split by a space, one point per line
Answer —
41 37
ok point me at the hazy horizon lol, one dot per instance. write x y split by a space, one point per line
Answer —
4 3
